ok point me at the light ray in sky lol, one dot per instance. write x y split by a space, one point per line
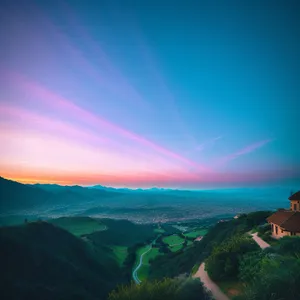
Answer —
62 104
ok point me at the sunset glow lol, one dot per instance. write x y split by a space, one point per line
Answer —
81 106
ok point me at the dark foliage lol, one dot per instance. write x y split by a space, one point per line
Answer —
41 261
167 289
180 262
223 263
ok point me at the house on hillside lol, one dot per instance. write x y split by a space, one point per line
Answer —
286 222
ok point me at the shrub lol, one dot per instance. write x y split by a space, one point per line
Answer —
223 263
167 289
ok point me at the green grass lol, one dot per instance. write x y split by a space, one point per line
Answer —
143 271
79 226
173 240
196 233
189 243
120 253
195 268
139 252
231 288
175 248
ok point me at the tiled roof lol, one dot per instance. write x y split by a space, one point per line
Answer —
292 223
295 196
288 220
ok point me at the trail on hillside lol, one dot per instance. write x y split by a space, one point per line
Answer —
209 284
260 242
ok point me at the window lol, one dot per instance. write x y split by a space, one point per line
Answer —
281 231
293 233
295 206
276 229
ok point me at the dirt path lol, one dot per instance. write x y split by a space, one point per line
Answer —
209 284
260 242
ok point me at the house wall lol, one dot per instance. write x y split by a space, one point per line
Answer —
280 233
297 203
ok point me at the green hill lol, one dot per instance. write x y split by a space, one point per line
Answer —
123 233
79 226
42 261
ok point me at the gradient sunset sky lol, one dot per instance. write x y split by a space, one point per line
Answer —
182 94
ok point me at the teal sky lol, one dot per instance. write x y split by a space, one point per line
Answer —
143 93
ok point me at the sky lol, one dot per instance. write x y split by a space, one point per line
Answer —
180 94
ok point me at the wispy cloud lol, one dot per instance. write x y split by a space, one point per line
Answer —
65 107
243 151
205 144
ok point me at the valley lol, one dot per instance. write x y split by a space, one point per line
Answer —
45 202
101 251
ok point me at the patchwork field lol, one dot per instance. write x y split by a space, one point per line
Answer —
196 233
173 240
79 225
143 271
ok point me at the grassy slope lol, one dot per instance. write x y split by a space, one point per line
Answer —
196 233
123 233
120 253
143 271
173 240
79 225
41 261
173 264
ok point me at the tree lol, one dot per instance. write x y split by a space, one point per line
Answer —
223 263
278 278
168 289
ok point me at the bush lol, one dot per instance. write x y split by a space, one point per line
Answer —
223 263
274 278
168 289
289 246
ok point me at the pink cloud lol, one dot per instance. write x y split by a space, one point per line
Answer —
17 121
64 106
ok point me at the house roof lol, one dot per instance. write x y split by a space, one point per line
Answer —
295 196
293 223
288 220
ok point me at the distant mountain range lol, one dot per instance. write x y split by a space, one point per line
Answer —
134 204
18 196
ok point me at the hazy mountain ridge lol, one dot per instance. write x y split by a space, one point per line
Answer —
154 205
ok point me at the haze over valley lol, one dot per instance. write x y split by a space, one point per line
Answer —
140 206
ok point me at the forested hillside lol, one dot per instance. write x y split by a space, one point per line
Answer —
86 258
172 264
41 261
